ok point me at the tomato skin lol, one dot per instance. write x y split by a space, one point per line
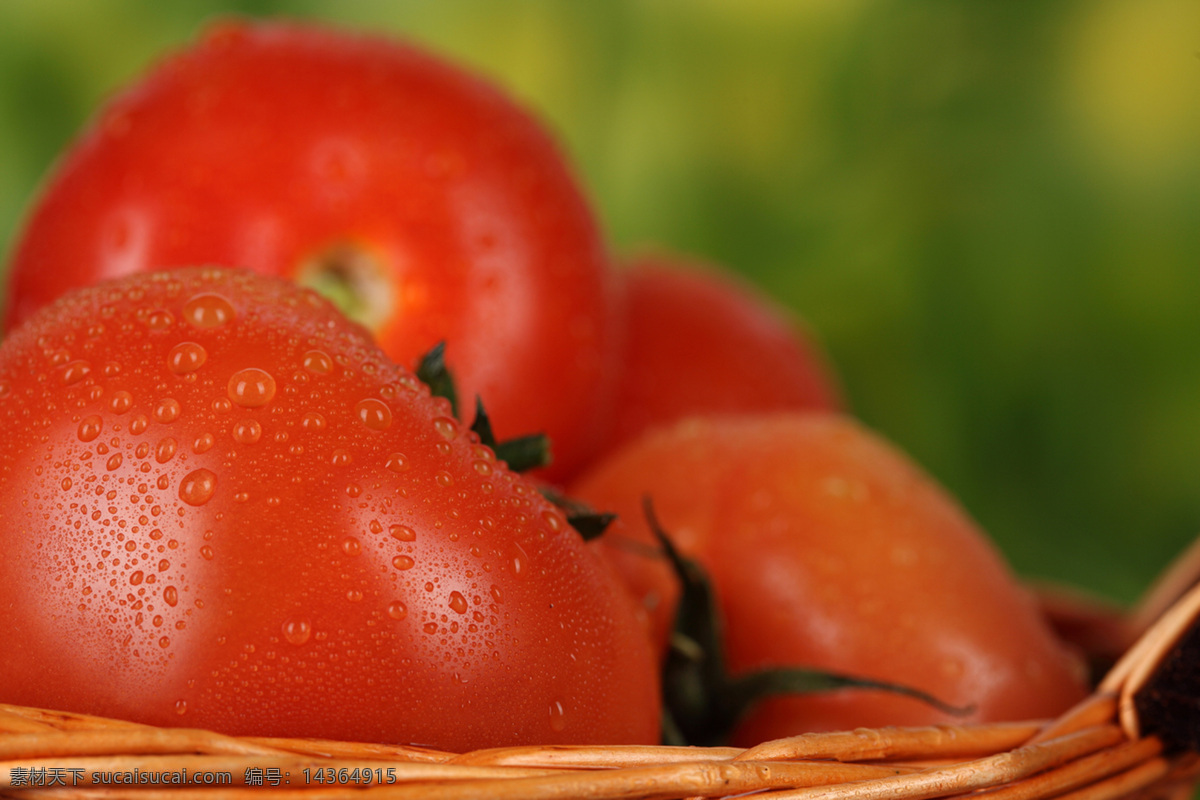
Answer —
273 145
829 549
225 508
701 341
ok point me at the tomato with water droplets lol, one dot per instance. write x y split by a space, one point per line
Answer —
286 536
417 195
828 548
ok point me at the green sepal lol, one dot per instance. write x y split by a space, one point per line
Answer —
589 523
434 373
521 453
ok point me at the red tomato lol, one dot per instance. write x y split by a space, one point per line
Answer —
829 549
699 341
225 508
415 192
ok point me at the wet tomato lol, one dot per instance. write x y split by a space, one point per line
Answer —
829 549
224 507
415 194
700 341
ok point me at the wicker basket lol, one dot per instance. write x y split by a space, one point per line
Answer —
1100 749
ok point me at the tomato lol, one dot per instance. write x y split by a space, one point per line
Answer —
417 194
700 341
827 548
225 508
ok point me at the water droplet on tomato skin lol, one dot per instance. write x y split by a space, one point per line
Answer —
247 431
374 414
458 603
89 428
171 596
446 427
181 707
208 310
167 410
402 533
558 717
164 451
312 421
351 546
318 362
519 561
75 371
397 462
198 487
403 562
186 357
297 631
121 402
397 610
251 388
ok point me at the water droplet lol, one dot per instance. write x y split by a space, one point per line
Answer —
247 431
483 468
458 603
66 484
160 320
251 388
297 631
312 421
397 610
164 451
209 310
197 487
167 410
354 596
89 428
186 357
75 371
430 628
351 546
444 478
496 594
203 443
403 562
341 458
114 462
403 533
171 596
446 427
181 707
206 552
318 362
138 425
554 520
519 560
164 642
136 578
558 717
121 402
374 414
397 462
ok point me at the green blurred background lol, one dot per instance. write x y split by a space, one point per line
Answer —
987 210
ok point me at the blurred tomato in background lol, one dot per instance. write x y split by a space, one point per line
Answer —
985 212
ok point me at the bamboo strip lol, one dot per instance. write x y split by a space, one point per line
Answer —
972 775
941 741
